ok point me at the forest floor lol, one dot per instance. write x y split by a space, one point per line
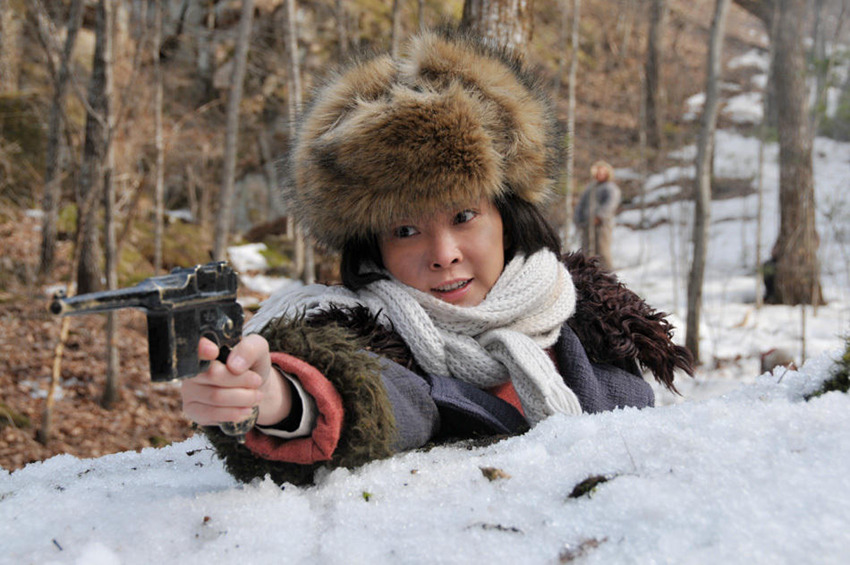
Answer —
145 414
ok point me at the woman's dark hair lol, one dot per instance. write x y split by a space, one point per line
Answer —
355 253
525 227
526 230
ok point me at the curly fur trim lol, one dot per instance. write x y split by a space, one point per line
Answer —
369 428
614 324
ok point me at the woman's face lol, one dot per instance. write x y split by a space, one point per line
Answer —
456 255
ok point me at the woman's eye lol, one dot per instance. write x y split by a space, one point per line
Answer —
465 216
402 232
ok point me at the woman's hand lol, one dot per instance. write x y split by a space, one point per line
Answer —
228 392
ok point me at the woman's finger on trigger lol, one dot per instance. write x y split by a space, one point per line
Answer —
207 350
254 349
250 353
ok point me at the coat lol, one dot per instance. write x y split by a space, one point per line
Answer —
373 400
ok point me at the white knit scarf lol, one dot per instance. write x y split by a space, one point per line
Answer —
503 338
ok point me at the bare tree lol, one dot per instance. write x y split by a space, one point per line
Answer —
159 185
305 267
341 27
206 51
11 33
571 123
652 74
225 203
396 35
507 22
52 184
705 153
110 393
797 278
625 24
823 62
90 185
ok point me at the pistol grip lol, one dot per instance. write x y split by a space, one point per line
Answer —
239 430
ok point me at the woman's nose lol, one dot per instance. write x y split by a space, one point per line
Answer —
444 251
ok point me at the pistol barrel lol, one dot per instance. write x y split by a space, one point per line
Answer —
134 297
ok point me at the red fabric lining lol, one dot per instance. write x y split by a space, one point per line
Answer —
320 445
507 392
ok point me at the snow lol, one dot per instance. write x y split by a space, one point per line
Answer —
740 469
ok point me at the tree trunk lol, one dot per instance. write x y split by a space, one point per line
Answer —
571 124
822 61
625 24
110 392
763 131
273 209
225 203
94 153
206 53
508 22
159 187
396 35
765 11
341 32
52 183
11 46
705 152
304 254
797 278
293 105
652 74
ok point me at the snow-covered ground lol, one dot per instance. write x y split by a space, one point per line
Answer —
740 469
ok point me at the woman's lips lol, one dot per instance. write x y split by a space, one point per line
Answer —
452 290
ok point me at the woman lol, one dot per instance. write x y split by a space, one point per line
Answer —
457 317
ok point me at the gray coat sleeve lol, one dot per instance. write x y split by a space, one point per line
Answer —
599 387
431 406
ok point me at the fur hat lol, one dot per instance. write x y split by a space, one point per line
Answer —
449 122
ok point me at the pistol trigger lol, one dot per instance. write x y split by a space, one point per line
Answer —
223 353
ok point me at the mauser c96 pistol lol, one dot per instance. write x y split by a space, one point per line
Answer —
181 307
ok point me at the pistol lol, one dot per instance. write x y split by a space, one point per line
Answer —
181 307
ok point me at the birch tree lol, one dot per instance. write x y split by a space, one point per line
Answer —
396 33
52 173
105 10
305 266
90 185
506 22
225 201
159 185
652 74
705 153
571 123
11 34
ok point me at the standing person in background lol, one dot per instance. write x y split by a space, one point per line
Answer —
594 215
